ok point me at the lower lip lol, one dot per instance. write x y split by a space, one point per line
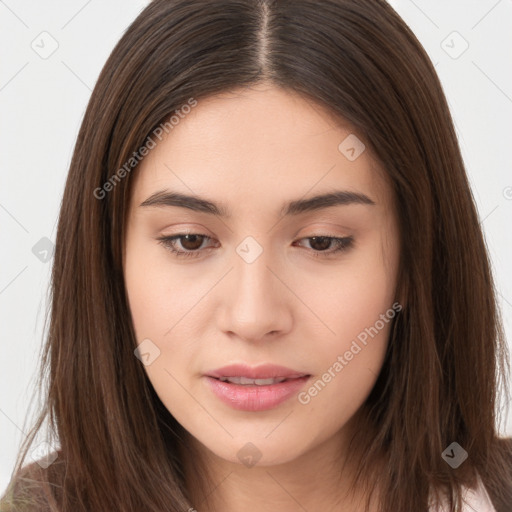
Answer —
255 398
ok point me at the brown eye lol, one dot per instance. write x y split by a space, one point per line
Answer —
320 243
191 244
325 246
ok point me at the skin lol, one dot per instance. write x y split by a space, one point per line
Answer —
253 150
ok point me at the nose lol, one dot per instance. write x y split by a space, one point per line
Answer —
255 304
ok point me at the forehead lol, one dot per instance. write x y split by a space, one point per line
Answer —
254 147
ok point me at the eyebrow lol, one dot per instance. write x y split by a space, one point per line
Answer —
165 198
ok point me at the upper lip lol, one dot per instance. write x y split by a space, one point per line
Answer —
264 371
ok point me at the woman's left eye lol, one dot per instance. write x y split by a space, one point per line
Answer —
323 242
192 244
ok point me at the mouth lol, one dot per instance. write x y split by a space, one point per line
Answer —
245 381
254 373
255 389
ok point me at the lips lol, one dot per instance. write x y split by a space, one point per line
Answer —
266 371
244 381
255 389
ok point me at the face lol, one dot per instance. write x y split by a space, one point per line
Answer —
263 274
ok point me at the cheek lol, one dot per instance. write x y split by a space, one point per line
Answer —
158 295
350 296
157 303
357 304
148 296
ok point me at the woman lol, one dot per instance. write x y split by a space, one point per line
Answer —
270 287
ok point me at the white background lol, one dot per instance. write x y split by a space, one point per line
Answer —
42 101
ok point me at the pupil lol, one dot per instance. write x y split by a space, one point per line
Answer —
320 247
190 238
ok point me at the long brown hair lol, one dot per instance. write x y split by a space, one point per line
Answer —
446 360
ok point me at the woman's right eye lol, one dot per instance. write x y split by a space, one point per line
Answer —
191 243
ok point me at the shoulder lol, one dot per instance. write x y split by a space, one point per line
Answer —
477 498
28 490
497 476
473 498
493 489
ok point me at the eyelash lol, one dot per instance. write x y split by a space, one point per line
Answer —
342 245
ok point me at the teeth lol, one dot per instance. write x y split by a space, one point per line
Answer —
258 382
